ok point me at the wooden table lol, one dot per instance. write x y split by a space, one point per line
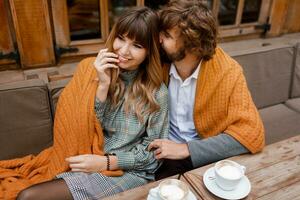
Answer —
140 193
274 173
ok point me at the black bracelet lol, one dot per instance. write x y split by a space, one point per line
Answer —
107 162
108 159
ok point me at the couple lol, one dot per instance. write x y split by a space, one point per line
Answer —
206 113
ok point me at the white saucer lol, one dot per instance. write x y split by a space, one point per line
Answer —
153 195
242 190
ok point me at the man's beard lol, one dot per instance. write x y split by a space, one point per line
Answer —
177 56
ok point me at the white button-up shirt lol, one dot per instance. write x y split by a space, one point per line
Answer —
181 106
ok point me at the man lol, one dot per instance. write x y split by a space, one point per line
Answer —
212 115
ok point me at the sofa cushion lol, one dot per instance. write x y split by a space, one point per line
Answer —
55 89
293 104
25 118
296 76
268 72
280 122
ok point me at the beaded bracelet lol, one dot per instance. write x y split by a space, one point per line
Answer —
108 160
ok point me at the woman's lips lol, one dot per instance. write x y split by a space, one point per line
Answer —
122 59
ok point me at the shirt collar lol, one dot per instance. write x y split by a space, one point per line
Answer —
196 72
173 71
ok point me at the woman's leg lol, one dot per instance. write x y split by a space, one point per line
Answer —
97 186
55 189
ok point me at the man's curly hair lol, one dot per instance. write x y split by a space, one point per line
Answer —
197 24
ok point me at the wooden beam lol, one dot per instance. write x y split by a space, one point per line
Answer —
61 22
215 8
6 43
264 11
278 16
33 32
239 12
104 22
293 18
140 2
6 39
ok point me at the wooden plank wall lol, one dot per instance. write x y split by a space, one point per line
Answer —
293 17
284 17
33 32
6 40
29 24
279 10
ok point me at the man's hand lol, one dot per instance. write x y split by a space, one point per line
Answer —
168 149
87 163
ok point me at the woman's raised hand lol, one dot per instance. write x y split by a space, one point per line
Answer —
104 62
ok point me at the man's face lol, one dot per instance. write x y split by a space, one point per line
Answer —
172 43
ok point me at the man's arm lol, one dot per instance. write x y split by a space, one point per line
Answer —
214 148
202 151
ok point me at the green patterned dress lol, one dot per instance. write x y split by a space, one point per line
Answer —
128 139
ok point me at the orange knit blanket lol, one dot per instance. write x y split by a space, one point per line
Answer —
223 103
76 131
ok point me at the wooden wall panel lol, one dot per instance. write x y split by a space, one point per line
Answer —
33 32
61 22
292 23
6 42
279 11
104 19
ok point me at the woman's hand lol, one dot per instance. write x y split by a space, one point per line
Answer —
104 62
87 163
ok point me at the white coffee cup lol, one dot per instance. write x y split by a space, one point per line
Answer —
228 174
173 189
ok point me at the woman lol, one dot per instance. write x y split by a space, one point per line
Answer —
131 106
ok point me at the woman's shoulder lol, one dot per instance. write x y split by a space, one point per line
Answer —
87 62
162 92
85 65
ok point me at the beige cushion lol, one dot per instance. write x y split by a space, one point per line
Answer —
293 104
55 89
25 118
280 122
268 72
296 75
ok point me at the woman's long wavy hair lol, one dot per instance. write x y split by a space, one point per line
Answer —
141 25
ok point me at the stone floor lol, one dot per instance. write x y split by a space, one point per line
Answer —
66 70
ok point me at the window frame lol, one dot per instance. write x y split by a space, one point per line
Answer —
92 46
239 29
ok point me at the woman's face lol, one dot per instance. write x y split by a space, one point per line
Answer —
131 54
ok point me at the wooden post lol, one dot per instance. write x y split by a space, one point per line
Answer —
6 39
293 18
140 2
278 16
33 32
104 23
61 22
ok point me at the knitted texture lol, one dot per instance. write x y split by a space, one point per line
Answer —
76 131
223 103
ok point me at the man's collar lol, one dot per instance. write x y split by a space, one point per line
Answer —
173 71
196 72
